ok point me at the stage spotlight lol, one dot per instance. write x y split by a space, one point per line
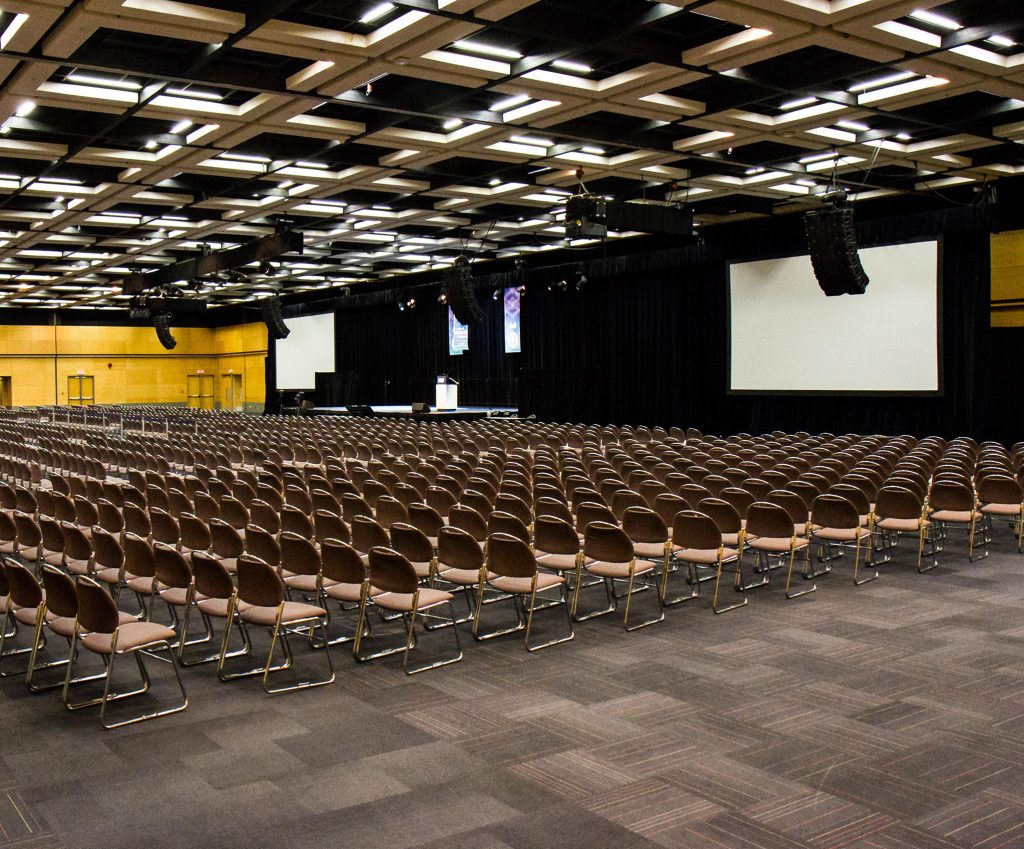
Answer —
271 309
442 299
162 323
495 294
401 306
581 281
411 303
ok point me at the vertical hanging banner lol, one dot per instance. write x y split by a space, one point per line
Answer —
512 335
458 335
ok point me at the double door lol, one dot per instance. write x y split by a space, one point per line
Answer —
81 390
200 391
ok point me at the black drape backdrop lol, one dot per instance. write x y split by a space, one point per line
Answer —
646 342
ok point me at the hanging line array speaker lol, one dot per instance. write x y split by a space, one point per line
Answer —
832 242
458 286
162 323
271 309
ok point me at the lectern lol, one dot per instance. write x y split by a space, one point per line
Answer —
446 393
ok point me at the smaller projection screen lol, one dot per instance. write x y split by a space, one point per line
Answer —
787 336
308 349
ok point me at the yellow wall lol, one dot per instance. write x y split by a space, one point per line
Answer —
1008 279
128 363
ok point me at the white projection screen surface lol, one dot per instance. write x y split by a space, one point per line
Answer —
786 335
309 348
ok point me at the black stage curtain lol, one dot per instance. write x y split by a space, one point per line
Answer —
645 342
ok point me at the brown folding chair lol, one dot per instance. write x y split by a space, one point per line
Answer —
836 523
260 600
697 541
394 587
899 510
772 533
514 568
609 556
99 629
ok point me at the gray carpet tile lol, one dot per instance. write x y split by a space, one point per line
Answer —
889 716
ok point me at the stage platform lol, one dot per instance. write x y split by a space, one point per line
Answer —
404 411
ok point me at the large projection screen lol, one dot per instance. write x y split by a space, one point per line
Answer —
309 348
786 335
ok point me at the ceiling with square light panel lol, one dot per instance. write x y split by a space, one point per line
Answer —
396 135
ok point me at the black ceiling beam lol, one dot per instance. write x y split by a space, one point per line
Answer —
267 248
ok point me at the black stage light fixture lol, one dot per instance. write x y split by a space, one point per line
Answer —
458 286
162 323
832 243
271 310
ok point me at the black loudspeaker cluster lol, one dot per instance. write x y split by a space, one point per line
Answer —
162 323
832 243
271 309
458 287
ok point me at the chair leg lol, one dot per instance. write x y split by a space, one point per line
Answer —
789 574
753 585
519 626
410 642
564 595
718 580
4 636
210 658
39 642
970 545
680 599
856 564
920 550
142 669
282 632
107 696
629 598
576 598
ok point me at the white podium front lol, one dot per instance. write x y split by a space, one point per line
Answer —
446 393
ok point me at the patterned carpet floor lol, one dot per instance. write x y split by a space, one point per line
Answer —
887 716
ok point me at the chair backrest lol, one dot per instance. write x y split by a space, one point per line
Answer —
854 494
29 535
233 512
97 612
212 579
139 558
769 520
458 549
172 569
834 511
295 521
695 530
391 510
195 533
951 495
328 525
225 539
509 556
107 550
265 516
165 526
258 582
556 507
299 554
589 512
262 544
298 497
608 542
205 506
61 598
469 520
411 542
341 562
21 584
792 503
623 499
367 533
642 524
76 543
724 514
552 535
500 522
391 571
992 489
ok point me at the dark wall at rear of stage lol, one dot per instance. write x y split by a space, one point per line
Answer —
650 347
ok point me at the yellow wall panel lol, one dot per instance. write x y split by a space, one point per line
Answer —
128 364
1007 251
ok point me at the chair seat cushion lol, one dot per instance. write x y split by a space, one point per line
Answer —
463 576
302 583
129 636
649 549
77 567
25 615
217 606
7 546
143 586
732 540
706 556
422 568
294 611
952 515
909 525
991 509
346 592
402 602
606 569
561 562
777 544
29 553
177 596
109 576
841 534
523 586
